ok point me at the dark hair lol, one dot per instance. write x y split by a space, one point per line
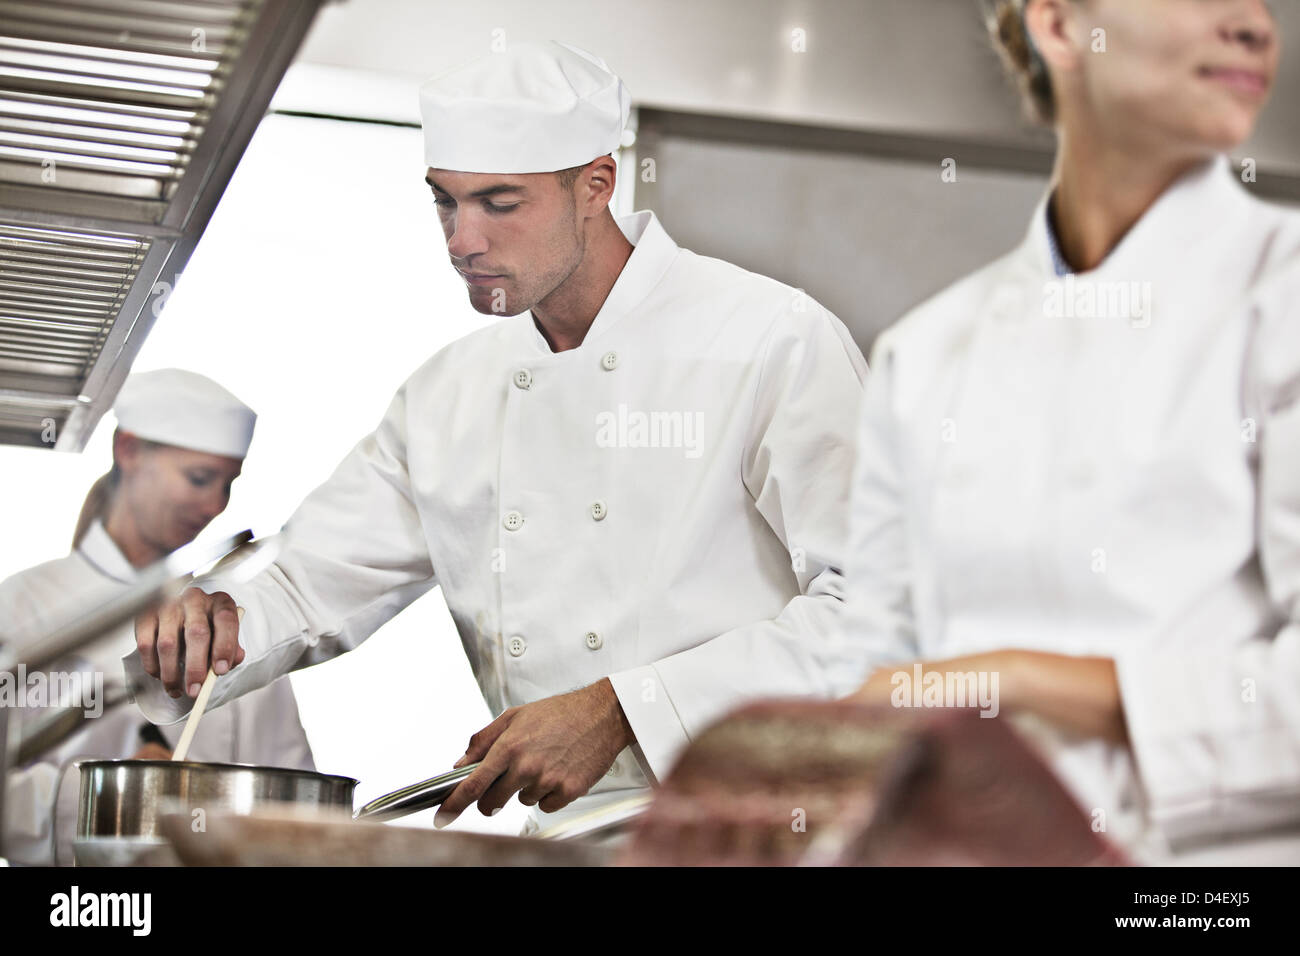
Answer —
1006 24
568 177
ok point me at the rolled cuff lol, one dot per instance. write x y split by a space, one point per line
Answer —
257 670
1208 771
660 735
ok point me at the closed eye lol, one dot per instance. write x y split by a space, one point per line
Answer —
448 202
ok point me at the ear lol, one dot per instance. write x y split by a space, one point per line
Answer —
595 185
126 451
1055 28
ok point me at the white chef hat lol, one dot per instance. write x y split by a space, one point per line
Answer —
535 107
185 409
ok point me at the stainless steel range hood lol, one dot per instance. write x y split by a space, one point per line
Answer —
121 122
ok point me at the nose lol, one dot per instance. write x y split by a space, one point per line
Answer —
465 238
214 503
1251 24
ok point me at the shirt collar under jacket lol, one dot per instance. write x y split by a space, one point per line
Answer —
1187 212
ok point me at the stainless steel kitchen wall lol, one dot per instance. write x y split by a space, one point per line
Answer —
915 66
868 236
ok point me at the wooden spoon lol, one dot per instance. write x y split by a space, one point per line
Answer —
200 705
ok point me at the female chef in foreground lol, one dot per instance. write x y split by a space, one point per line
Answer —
180 444
1079 468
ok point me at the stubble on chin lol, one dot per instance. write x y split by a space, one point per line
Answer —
496 301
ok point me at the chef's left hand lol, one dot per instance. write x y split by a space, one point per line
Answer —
1077 694
550 752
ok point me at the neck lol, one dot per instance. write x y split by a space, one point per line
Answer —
126 535
566 314
1101 189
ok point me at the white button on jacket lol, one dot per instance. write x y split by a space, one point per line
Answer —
1123 482
262 728
722 448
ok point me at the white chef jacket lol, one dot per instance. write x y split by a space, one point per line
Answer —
1097 482
262 729
573 537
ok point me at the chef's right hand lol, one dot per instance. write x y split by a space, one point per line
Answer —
179 638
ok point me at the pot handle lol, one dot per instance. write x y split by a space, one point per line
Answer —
416 797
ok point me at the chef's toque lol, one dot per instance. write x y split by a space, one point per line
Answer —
535 107
185 409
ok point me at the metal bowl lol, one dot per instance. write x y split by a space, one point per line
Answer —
126 798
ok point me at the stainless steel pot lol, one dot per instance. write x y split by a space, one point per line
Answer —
127 797
123 801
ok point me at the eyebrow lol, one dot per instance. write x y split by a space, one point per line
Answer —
479 193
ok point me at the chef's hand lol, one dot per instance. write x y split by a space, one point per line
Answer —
1077 694
550 752
177 639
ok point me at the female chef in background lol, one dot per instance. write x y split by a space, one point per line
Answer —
1080 466
180 444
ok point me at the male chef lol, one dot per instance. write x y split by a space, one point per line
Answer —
632 486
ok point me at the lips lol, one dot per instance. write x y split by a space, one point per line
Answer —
1239 79
479 278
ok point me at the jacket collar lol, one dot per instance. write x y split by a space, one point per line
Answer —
104 554
652 253
1186 214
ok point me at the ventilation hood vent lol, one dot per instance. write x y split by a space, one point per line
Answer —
121 122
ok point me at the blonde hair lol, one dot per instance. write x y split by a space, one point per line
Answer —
101 494
96 504
1010 36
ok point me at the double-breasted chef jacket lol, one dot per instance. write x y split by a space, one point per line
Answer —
665 505
1044 466
262 728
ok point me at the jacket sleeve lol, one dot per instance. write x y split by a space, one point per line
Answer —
1216 730
797 466
879 624
355 557
28 796
26 600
